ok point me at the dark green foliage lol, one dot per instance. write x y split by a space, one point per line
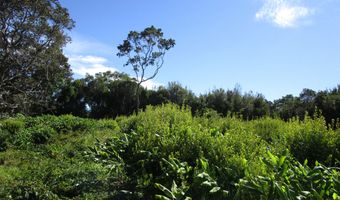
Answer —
287 179
32 63
71 99
309 101
67 123
28 190
194 183
249 105
12 125
287 107
25 131
108 95
105 95
8 131
41 135
3 140
45 158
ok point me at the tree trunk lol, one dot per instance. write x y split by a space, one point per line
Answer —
137 98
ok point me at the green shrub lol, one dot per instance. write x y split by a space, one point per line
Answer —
312 141
68 123
288 179
270 130
106 124
23 139
3 140
44 120
166 153
34 135
62 124
334 142
161 132
12 125
41 134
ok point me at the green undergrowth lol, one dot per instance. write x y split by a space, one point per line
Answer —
166 153
43 157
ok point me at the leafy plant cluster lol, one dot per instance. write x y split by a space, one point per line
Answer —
44 158
165 152
289 179
108 95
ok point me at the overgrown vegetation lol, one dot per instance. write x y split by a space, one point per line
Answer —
221 145
167 153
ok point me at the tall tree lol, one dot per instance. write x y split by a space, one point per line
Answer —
71 98
32 64
109 94
145 50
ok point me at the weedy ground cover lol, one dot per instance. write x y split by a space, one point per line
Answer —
166 153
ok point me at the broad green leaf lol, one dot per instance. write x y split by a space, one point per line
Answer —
207 183
214 190
203 175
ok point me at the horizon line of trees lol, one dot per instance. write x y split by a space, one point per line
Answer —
110 94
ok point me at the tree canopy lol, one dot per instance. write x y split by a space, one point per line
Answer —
32 64
144 50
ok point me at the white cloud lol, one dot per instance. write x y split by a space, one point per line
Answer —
150 84
90 57
81 45
88 64
82 65
283 13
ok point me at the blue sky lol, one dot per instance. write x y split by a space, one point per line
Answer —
273 47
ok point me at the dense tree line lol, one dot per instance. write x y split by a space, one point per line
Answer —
107 95
35 77
309 102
